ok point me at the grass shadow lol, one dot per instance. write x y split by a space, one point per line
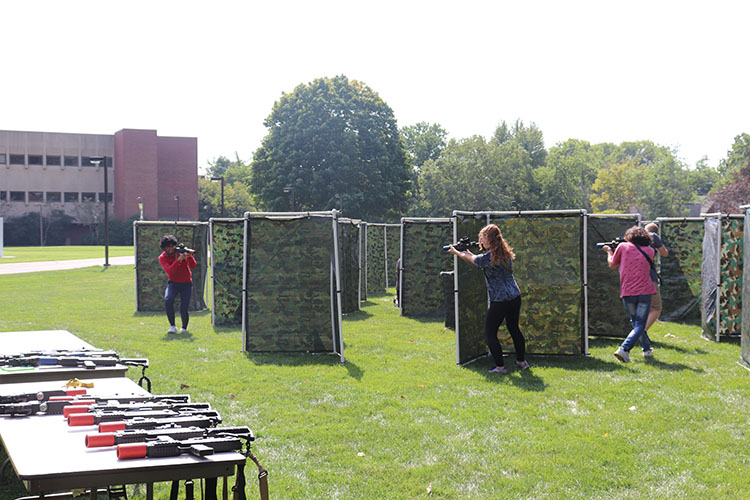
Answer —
613 343
357 316
671 367
303 359
174 337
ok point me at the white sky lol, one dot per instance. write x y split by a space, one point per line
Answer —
674 72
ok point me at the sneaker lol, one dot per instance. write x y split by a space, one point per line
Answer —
172 329
183 330
648 353
499 369
523 365
622 355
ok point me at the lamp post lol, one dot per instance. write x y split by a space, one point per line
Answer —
140 206
222 192
290 190
98 160
177 199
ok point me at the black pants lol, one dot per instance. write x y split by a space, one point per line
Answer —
509 311
185 290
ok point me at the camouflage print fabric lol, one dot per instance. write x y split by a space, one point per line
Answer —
472 294
423 260
227 260
681 271
607 316
288 302
349 259
375 259
724 250
150 278
450 301
393 251
745 341
549 271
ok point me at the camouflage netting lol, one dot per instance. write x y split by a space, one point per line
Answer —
422 261
290 300
349 246
150 278
745 341
392 251
721 312
227 260
681 271
607 316
450 300
375 259
549 269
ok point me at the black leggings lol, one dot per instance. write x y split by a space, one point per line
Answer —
509 311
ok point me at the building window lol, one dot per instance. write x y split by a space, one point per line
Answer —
3 196
18 196
71 197
36 196
88 197
17 159
86 161
109 197
71 161
3 159
53 160
54 196
35 159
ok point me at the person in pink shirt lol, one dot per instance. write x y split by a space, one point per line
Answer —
178 266
634 257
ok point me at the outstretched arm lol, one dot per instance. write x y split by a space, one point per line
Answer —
465 255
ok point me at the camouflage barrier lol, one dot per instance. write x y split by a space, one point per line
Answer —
721 311
150 278
745 339
681 271
349 247
375 258
550 271
291 278
422 261
450 301
607 316
392 252
227 261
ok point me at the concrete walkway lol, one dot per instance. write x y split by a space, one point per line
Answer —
58 265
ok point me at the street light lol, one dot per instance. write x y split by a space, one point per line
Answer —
140 206
97 160
222 192
290 190
177 199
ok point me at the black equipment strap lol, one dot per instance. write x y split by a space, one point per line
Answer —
211 485
650 262
175 490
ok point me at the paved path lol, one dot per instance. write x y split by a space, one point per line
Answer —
57 265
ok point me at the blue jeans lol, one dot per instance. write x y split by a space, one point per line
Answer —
637 307
185 290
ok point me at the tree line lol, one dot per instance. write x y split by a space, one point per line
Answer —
334 143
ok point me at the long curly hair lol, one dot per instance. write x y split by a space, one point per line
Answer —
499 249
638 236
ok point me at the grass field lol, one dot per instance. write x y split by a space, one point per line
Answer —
12 255
401 421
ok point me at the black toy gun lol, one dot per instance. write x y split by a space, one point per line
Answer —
81 419
41 395
462 245
85 361
68 405
135 406
181 248
168 447
611 244
101 439
203 421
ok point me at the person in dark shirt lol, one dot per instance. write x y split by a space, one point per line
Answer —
503 293
178 267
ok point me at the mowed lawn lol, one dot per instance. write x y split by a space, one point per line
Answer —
400 420
12 255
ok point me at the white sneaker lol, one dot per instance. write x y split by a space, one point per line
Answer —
648 353
622 355
172 329
183 330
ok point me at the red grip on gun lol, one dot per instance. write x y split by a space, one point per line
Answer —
112 426
76 408
131 450
78 419
100 439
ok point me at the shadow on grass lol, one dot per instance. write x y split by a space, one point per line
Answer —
357 316
657 345
303 359
183 337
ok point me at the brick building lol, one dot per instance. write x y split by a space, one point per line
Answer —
44 171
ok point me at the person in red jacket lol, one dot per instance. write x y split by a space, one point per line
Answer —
180 280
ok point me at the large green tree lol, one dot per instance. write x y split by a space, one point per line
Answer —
569 173
336 143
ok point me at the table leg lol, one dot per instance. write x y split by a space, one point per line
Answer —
225 495
149 491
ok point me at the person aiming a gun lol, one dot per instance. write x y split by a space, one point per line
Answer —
178 262
503 292
634 258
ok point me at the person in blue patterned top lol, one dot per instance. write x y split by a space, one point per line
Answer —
503 292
